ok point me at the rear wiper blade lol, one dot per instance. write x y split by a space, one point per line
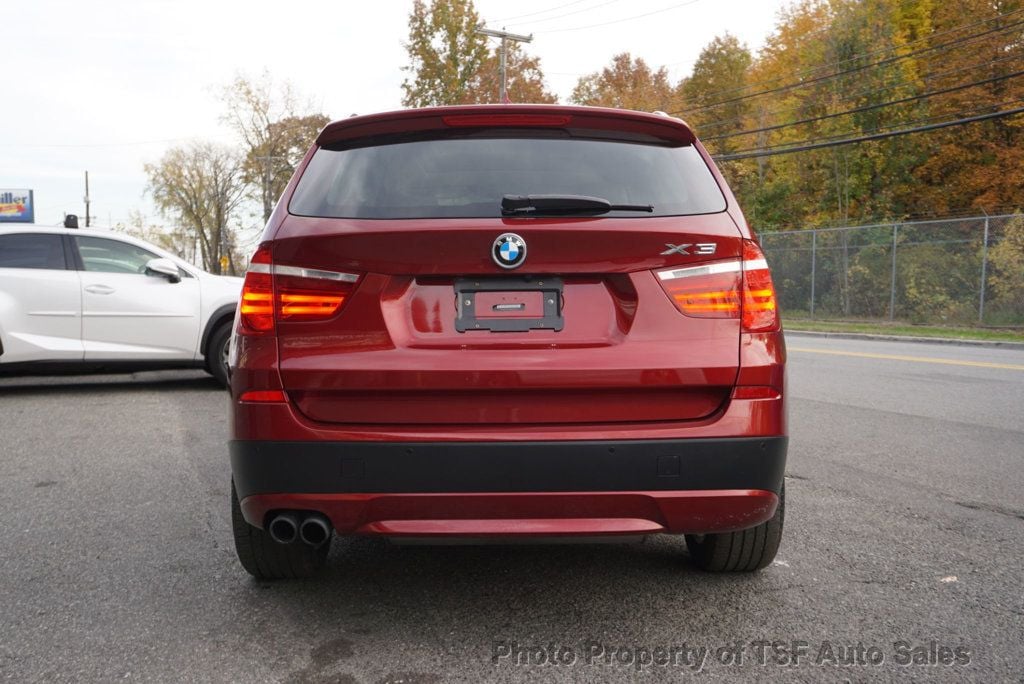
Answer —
563 205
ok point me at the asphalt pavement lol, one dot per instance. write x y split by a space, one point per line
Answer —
902 554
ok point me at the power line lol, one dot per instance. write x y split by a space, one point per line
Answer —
887 127
624 19
816 69
533 14
875 136
824 67
883 62
567 14
719 123
870 107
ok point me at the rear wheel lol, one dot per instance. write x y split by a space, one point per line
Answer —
741 551
217 353
264 558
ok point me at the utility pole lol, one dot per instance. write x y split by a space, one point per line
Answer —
86 199
505 36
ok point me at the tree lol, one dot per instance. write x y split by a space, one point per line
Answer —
720 73
626 84
176 240
271 166
445 53
829 71
201 188
1007 263
276 129
524 79
979 166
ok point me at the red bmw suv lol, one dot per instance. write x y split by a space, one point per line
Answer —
507 320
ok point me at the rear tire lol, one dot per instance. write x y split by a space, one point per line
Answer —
264 558
743 551
217 353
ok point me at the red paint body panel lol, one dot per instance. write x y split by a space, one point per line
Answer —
548 513
397 332
737 417
627 365
461 246
635 125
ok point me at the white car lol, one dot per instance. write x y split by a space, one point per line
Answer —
84 299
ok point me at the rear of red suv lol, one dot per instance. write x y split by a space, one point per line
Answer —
498 321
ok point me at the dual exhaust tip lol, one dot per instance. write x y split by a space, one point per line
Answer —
313 529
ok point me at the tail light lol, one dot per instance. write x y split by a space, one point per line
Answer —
275 292
726 289
760 310
488 120
257 305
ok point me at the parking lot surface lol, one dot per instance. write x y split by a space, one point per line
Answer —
902 550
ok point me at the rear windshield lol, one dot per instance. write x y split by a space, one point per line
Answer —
467 177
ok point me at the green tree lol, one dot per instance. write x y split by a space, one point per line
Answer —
1006 259
720 73
176 240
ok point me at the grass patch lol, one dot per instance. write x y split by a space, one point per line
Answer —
798 324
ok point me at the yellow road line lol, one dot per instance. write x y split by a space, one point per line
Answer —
915 359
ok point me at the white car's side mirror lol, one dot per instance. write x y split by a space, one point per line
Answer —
164 268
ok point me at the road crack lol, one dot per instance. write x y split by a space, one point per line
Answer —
991 508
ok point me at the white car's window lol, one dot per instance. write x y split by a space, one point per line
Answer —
32 250
112 256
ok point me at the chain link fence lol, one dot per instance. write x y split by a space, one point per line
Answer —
967 271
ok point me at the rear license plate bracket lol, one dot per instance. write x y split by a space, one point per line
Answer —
515 312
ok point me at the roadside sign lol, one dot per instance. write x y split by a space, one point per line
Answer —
16 206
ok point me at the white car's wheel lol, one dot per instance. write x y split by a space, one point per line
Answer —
217 353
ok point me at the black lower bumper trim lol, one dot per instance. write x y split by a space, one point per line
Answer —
262 467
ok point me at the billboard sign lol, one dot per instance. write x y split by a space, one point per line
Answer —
16 206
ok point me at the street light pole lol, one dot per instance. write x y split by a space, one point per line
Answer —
87 217
505 36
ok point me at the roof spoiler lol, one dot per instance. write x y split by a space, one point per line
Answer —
614 124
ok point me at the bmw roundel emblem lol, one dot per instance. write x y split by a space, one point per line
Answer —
509 250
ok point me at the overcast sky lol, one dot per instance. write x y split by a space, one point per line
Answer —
109 86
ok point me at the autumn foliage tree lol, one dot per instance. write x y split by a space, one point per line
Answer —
445 53
524 80
626 83
839 69
831 70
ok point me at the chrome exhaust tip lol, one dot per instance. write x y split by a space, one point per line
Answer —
284 528
315 530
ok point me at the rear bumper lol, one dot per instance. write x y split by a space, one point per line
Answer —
504 488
